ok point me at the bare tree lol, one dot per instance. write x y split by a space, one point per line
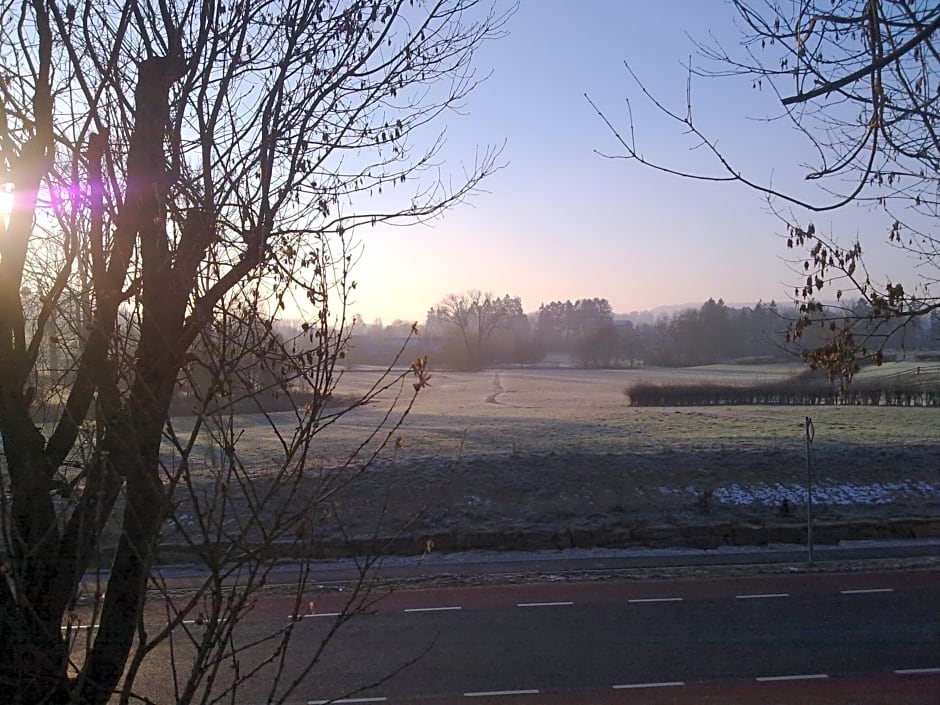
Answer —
476 316
178 168
859 81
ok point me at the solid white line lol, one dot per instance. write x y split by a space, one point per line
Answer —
656 599
866 591
664 684
492 693
915 671
759 596
799 677
432 609
544 604
347 700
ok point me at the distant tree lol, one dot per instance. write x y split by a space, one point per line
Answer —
596 335
716 330
514 342
687 336
554 325
598 347
860 81
584 328
629 343
476 316
761 330
400 328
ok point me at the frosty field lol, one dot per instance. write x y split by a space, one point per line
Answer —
523 450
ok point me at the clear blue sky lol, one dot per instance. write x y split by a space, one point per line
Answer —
561 222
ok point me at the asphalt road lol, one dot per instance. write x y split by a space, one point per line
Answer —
854 637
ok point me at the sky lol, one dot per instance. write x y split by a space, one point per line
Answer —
560 221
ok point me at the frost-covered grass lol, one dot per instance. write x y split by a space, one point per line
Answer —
575 411
563 410
522 447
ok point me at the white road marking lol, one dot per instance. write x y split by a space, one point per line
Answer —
432 609
760 596
656 599
865 591
295 617
204 620
79 626
797 677
544 604
493 693
347 700
915 671
664 684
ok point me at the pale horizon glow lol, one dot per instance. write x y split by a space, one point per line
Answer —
561 222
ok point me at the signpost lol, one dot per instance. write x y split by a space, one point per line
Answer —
810 434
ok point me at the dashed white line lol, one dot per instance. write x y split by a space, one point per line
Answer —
796 677
663 684
865 591
545 604
433 609
495 693
79 626
348 701
915 671
656 599
761 596
295 617
204 620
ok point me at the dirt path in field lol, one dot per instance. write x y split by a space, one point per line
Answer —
497 390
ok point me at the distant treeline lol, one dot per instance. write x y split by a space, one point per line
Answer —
719 333
919 387
712 333
585 333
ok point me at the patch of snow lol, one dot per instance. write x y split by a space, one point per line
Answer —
842 494
772 494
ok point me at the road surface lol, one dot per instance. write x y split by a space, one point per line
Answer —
855 637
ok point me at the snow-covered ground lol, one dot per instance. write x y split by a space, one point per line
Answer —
842 494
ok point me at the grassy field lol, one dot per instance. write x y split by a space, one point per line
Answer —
577 411
516 449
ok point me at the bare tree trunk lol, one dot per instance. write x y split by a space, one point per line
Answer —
135 445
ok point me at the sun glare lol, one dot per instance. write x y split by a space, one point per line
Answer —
6 203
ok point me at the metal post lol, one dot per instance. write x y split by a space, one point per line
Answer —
810 434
